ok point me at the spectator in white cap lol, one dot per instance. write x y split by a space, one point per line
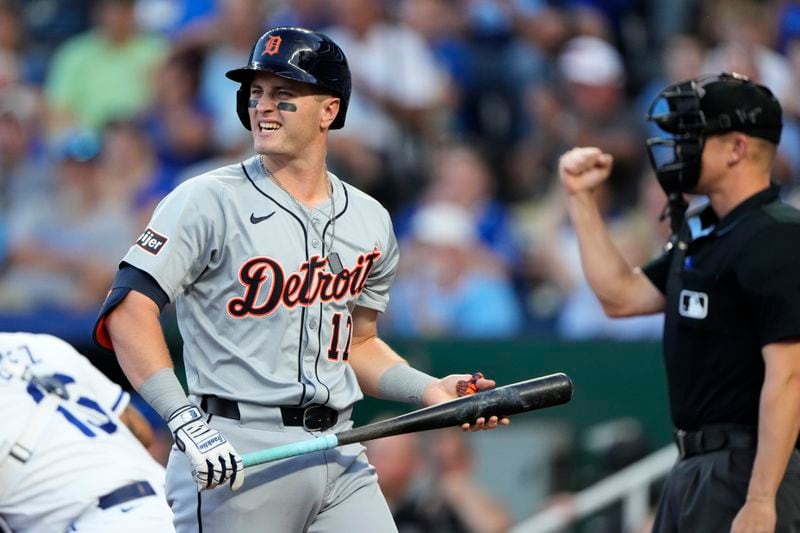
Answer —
585 106
592 62
594 75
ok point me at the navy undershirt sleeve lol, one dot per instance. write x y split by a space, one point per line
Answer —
128 278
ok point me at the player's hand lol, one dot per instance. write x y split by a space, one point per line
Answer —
756 516
214 461
447 388
582 169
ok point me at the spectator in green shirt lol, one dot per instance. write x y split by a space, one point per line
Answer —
105 73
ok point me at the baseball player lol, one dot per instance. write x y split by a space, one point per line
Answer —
68 461
278 270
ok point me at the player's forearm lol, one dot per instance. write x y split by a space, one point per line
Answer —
143 355
370 359
778 423
608 273
138 339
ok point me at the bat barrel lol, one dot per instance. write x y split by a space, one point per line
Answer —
539 393
530 395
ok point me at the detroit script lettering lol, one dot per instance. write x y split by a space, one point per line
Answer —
309 285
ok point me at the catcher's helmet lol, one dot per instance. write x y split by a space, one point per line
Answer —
297 54
692 110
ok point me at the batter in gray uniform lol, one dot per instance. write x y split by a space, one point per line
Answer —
278 270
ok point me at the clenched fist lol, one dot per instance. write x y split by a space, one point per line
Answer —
582 169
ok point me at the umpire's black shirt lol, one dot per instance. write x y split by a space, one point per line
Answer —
736 289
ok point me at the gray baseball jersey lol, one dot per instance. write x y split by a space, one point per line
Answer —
263 317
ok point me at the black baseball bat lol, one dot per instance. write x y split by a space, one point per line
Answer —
530 395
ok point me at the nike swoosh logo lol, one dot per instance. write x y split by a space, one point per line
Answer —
126 509
255 220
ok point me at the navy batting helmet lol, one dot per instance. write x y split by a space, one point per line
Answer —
296 54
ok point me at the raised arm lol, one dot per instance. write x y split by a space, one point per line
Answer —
621 289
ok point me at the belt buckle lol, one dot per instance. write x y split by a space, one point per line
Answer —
680 439
306 425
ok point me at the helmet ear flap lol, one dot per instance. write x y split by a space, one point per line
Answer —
242 104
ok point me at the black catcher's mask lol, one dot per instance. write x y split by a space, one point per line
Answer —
692 110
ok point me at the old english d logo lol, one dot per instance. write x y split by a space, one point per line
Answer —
693 304
272 46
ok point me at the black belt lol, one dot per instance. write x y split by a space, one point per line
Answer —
713 438
132 491
312 417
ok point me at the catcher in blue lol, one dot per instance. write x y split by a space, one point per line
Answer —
278 270
69 455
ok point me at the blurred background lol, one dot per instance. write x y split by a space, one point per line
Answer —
460 110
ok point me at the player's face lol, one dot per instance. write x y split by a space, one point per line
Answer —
286 116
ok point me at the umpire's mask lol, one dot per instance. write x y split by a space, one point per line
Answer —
692 110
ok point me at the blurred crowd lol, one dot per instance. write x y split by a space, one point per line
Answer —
429 483
460 110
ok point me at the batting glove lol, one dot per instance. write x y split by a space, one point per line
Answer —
214 461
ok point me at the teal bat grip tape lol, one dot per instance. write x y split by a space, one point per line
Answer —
325 442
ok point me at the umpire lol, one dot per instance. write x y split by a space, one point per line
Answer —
729 285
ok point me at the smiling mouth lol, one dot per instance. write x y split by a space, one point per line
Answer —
268 126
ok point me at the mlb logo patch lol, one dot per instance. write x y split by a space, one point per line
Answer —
151 242
693 304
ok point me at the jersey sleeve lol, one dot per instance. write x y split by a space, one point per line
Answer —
769 272
376 291
183 234
657 271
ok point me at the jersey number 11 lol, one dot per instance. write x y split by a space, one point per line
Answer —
333 349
